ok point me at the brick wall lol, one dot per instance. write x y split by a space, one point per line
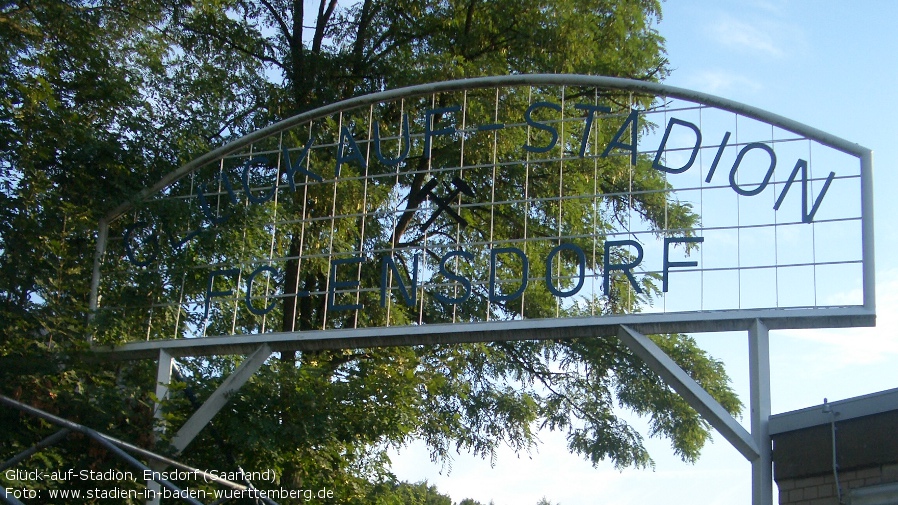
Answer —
820 490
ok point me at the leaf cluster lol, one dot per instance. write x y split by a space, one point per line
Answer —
99 99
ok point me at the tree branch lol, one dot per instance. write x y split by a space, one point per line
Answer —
358 48
324 16
228 42
278 19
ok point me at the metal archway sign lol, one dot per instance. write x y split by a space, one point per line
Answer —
499 208
513 207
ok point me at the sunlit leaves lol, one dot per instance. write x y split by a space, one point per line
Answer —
100 99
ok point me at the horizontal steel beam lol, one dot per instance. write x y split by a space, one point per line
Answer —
495 331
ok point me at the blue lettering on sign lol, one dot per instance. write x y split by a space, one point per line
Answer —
355 152
723 144
207 209
229 272
408 292
334 285
494 296
429 132
698 142
455 277
806 216
178 243
528 116
626 268
249 290
668 264
590 114
291 169
633 122
129 249
388 265
246 188
581 265
490 127
752 192
142 240
405 140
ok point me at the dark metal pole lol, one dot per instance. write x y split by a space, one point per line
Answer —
116 446
47 442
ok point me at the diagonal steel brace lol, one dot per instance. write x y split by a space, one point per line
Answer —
691 391
220 398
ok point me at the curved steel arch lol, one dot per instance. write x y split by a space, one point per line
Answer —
615 83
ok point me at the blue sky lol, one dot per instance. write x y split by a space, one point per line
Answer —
830 65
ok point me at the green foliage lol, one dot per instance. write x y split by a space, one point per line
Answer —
99 99
404 493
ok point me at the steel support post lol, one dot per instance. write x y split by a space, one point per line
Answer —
163 380
759 370
867 241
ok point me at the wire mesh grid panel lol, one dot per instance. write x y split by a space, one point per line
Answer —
489 203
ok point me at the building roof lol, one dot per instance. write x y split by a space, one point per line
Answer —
851 408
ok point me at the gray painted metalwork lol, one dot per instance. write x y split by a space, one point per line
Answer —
754 446
759 374
113 444
691 391
36 448
140 466
630 328
818 314
107 442
867 233
494 331
102 238
7 497
220 398
163 381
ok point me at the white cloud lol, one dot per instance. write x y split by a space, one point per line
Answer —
771 7
565 478
846 347
720 82
763 38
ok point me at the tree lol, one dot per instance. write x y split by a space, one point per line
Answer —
193 75
90 112
73 124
